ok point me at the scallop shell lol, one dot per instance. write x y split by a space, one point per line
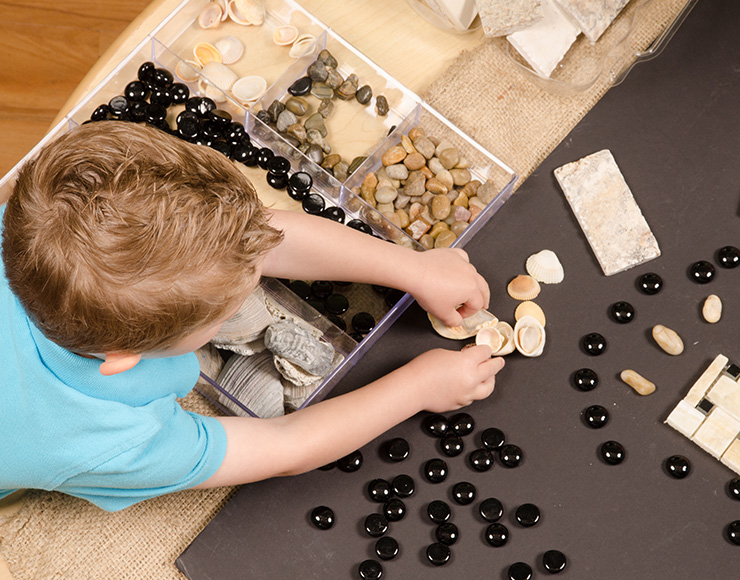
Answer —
219 75
210 362
211 15
205 52
188 71
293 343
488 335
255 383
712 309
545 267
304 45
247 90
247 12
230 47
529 308
470 326
285 35
523 287
529 336
507 333
295 395
248 324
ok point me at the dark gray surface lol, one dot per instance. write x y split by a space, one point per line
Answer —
674 129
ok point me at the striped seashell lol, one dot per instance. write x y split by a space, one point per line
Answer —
247 90
304 45
231 48
529 308
294 395
248 324
523 287
188 71
219 75
545 267
247 12
255 383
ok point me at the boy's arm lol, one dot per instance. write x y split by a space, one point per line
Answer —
438 381
442 281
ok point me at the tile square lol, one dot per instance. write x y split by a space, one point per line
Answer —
685 419
706 380
725 393
717 432
731 457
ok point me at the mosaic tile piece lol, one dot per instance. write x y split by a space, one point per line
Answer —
685 419
725 393
731 457
717 432
706 380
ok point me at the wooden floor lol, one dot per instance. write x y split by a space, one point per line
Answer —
46 48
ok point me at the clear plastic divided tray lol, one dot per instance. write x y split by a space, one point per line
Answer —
357 131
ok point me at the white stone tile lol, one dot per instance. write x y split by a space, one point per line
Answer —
731 457
502 17
685 419
593 17
725 393
701 386
717 432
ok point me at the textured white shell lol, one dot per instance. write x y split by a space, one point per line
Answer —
211 15
507 333
529 336
545 267
247 90
304 45
230 47
188 71
285 35
219 75
470 326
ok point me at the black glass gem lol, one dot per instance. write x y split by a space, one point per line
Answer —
222 146
370 570
733 488
451 445
397 449
595 416
334 213
221 118
594 344
161 77
244 153
211 129
322 517
678 466
100 114
313 204
300 182
463 493
733 370
527 514
161 96
118 105
278 164
462 424
363 322
236 134
705 405
200 105
189 122
263 157
155 114
351 462
435 425
300 289
360 226
376 525
136 91
277 180
337 304
338 322
733 532
321 289
356 336
612 452
379 490
554 561
447 533
701 272
491 509
435 470
492 438
393 297
650 283
438 554
510 455
180 93
403 485
497 535
203 140
519 571
728 257
300 87
386 548
438 511
317 305
394 510
137 111
585 379
480 459
145 71
622 312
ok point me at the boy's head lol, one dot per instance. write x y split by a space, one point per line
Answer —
121 238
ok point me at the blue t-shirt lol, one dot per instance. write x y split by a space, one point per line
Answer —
111 440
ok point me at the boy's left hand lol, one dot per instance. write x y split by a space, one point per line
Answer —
449 287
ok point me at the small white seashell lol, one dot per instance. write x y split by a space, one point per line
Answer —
188 71
545 267
304 45
668 339
230 47
219 75
211 15
247 12
523 287
712 309
529 308
491 337
470 326
507 333
205 52
635 380
529 336
285 35
247 90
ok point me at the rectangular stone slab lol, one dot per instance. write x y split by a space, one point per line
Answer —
726 394
502 17
593 16
717 432
731 457
685 419
607 212
706 380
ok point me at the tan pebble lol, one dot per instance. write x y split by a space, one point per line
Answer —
445 177
529 308
668 339
444 239
487 192
435 166
398 171
415 186
449 157
369 181
461 200
424 146
458 228
418 228
415 210
523 287
403 218
427 197
401 201
436 186
476 202
438 228
461 214
330 161
712 309
415 161
416 132
635 380
426 215
460 176
427 241
407 144
385 194
471 188
441 146
426 172
394 155
434 140
452 195
386 208
463 163
441 206
474 211
450 219
368 195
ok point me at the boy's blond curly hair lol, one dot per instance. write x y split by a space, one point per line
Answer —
121 238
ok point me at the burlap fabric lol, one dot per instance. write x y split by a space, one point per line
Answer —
483 92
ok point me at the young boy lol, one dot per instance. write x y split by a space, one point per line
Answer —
124 250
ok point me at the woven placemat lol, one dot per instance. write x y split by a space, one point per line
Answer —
483 92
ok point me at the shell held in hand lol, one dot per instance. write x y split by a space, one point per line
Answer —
507 333
490 337
469 327
529 336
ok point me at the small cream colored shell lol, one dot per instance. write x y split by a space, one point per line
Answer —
304 45
712 309
529 336
211 15
635 380
529 308
230 47
219 75
491 337
523 287
545 267
188 71
285 35
224 7
247 12
507 333
249 89
212 92
668 339
205 52
470 326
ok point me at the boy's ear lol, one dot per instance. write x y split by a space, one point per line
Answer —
117 362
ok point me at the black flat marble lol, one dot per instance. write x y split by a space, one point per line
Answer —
438 511
554 561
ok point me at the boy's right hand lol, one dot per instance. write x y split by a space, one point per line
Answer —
449 379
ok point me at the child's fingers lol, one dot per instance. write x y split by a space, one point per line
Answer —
491 367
